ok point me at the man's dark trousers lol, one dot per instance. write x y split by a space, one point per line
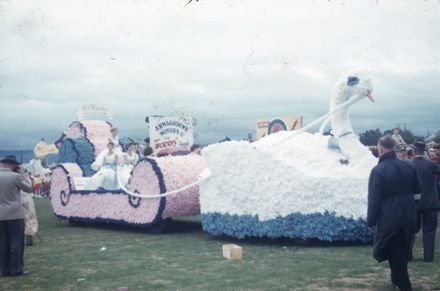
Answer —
397 258
11 246
427 220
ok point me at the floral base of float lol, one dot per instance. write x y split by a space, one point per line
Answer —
149 176
322 226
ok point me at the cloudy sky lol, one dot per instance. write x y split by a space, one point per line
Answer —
224 62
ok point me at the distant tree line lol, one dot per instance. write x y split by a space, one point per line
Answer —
370 137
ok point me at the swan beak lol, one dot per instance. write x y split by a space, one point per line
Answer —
370 96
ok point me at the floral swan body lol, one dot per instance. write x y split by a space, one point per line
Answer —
293 184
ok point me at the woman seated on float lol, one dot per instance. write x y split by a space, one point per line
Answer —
129 159
106 163
114 138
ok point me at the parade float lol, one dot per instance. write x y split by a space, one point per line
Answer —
79 147
293 184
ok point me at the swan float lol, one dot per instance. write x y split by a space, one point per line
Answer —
293 184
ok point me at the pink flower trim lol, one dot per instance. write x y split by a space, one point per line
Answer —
98 132
178 172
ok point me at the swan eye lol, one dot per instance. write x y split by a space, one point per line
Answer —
352 80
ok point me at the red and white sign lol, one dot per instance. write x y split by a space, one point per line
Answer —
170 132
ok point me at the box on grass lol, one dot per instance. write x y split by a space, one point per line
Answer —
232 252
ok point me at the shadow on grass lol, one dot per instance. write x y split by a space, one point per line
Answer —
184 226
162 227
179 226
284 241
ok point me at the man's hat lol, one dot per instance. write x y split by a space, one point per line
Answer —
398 148
10 160
419 144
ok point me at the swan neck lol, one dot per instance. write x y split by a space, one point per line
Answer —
341 123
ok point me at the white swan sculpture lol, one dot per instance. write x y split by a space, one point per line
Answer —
292 184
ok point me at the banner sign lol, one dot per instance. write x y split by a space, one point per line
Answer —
169 132
269 126
88 109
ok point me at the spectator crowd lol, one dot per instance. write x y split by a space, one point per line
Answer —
403 199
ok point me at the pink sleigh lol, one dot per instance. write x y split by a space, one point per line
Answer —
151 176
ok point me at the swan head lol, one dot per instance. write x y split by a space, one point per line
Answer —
353 86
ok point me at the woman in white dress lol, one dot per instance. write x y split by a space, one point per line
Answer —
129 159
114 138
106 163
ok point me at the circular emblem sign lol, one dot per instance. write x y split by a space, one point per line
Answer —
276 125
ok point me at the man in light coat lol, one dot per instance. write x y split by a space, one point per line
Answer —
12 180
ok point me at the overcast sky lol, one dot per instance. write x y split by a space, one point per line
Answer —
226 63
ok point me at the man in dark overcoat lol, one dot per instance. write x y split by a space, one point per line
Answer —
392 210
437 160
428 201
12 180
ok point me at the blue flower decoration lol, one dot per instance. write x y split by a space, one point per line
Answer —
352 80
80 151
325 226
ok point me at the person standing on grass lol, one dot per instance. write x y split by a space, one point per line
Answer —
437 153
30 217
400 152
37 185
12 180
392 211
428 201
46 184
437 160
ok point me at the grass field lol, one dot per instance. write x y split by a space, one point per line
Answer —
187 258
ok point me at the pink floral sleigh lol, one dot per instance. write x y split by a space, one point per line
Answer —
151 176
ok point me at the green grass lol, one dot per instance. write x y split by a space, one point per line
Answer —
189 259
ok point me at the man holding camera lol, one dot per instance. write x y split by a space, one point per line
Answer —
12 180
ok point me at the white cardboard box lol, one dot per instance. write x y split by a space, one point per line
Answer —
232 252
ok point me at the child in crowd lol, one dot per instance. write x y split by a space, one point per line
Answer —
37 185
46 184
